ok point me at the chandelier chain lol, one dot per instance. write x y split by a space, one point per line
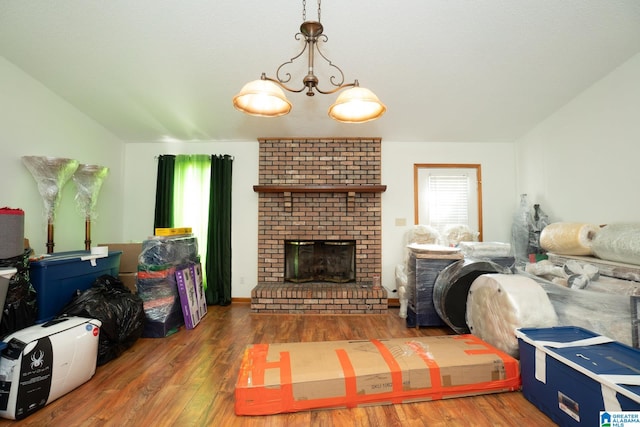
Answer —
304 10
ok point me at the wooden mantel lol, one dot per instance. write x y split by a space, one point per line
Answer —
319 188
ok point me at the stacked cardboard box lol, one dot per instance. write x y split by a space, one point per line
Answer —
128 262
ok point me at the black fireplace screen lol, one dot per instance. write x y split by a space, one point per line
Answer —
320 260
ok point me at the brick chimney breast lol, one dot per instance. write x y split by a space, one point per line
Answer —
330 190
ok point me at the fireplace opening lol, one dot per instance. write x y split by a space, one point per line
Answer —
320 261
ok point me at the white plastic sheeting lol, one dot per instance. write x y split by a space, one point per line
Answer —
498 304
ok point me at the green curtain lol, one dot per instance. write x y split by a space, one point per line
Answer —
218 262
191 199
164 192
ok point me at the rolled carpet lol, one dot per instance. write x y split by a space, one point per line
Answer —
568 238
619 243
499 303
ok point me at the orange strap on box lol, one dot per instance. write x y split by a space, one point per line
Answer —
350 385
434 370
352 398
252 371
510 365
394 367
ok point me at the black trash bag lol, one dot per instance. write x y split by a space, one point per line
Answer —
20 307
119 310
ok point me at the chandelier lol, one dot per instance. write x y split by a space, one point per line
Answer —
265 97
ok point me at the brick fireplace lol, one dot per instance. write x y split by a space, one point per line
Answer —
324 189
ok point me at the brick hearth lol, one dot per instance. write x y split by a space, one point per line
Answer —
318 298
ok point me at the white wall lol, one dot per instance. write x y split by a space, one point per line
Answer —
36 122
397 202
139 200
498 190
581 164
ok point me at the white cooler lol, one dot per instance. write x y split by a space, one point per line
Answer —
45 361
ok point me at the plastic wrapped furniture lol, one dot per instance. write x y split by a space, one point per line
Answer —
422 271
156 282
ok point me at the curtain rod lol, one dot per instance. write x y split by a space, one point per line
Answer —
156 157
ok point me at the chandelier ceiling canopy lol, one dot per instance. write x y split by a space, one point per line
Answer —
265 97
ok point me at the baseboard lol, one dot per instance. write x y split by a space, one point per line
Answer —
392 302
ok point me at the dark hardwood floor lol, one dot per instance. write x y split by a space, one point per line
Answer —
188 379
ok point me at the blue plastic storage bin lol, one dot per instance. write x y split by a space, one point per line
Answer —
572 374
57 277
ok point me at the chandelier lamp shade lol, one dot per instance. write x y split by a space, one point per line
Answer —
262 98
356 105
265 97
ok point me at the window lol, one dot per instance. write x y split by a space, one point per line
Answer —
448 194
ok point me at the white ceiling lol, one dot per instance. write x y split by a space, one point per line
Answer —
448 70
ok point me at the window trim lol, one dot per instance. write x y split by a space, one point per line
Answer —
418 166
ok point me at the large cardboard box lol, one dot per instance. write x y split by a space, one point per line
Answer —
130 254
289 377
190 289
129 280
196 272
128 273
576 376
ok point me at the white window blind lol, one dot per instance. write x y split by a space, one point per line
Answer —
447 200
